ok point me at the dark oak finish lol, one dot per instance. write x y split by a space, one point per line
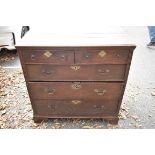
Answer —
76 72
76 81
48 56
111 56
77 90
75 108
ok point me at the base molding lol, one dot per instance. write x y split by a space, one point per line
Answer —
111 120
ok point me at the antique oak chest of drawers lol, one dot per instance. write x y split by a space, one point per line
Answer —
76 77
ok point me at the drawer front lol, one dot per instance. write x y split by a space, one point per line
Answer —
77 90
73 108
76 72
48 56
101 56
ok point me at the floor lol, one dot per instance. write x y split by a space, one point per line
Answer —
138 105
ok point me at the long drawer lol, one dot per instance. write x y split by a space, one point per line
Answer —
75 108
75 72
76 90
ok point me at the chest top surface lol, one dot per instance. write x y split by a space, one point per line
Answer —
105 38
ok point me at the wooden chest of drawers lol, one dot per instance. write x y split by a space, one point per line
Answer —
86 81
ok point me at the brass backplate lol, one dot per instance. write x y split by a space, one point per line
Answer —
76 102
48 54
75 67
100 92
102 53
76 85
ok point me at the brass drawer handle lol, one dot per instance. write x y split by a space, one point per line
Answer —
62 56
103 71
32 57
48 54
117 55
75 67
100 92
76 102
50 91
76 85
102 54
87 55
99 107
48 72
51 107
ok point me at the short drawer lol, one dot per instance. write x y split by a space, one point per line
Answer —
47 56
101 56
77 90
75 108
76 72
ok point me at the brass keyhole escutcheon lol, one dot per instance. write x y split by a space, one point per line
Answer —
50 91
76 85
103 71
48 54
76 102
100 92
75 67
102 54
